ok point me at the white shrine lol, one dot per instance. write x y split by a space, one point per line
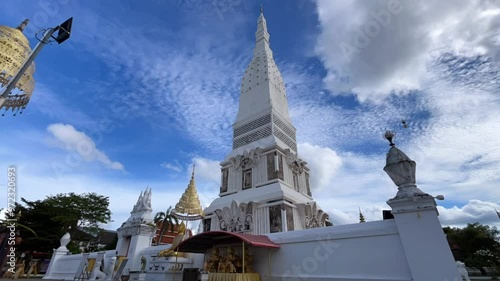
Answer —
266 220
136 233
264 185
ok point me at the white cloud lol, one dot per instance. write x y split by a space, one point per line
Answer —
338 217
78 142
208 170
474 211
375 47
208 178
176 167
323 162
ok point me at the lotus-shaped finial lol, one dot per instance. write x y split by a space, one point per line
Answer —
389 135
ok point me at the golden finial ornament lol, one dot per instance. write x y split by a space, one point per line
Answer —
23 25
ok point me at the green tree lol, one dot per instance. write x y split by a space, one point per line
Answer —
83 212
52 217
479 244
166 220
361 217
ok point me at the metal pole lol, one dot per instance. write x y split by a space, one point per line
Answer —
269 251
29 60
243 245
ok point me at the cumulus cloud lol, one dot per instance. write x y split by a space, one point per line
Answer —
207 169
208 178
338 217
474 211
323 162
376 48
78 142
482 212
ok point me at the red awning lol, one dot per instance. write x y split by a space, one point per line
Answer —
200 243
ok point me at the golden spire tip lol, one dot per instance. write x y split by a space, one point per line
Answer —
23 25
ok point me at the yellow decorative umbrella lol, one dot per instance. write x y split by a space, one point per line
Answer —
189 207
14 51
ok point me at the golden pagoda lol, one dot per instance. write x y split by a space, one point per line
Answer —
14 51
189 207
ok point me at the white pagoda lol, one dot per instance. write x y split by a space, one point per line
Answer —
265 185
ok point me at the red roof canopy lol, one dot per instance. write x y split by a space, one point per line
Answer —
200 243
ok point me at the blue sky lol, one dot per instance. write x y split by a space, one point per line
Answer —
141 91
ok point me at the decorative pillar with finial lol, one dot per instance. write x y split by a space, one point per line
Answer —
58 253
416 217
401 169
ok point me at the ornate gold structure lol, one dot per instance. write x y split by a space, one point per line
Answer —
189 207
248 261
212 263
14 50
230 263
177 240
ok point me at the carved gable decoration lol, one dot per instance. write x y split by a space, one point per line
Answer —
238 218
141 213
294 162
248 160
315 217
143 202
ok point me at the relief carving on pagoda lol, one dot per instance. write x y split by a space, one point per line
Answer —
294 162
248 160
238 218
315 217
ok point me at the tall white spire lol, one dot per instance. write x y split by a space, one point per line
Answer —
262 33
263 107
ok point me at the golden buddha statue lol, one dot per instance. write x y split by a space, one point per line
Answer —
248 261
229 262
212 263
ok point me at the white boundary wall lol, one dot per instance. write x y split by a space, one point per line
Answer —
410 247
364 251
